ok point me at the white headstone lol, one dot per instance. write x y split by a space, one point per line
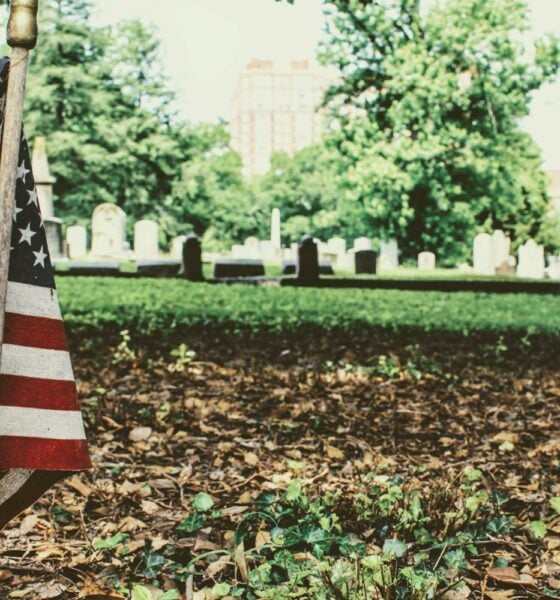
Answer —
389 255
275 229
146 239
238 251
483 255
268 252
500 248
76 238
252 248
337 245
553 269
426 261
362 243
531 263
108 226
177 246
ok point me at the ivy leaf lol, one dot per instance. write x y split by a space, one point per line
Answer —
555 504
170 595
395 547
220 590
203 502
139 592
538 529
110 543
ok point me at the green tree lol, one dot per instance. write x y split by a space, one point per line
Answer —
212 195
306 189
429 106
99 96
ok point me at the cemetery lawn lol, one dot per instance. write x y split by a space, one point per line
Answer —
101 306
297 443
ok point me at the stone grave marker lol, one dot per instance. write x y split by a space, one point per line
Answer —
365 262
531 264
389 255
426 261
146 239
192 258
308 260
76 238
276 229
483 255
108 225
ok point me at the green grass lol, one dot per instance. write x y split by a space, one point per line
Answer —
148 306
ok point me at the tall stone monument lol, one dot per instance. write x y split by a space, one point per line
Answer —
275 229
44 186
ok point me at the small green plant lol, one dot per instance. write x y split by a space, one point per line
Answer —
124 353
183 356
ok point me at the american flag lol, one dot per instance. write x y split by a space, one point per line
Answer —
41 430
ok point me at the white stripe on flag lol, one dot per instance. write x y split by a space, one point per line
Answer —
32 300
40 423
36 362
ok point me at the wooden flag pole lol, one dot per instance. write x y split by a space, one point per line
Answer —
22 37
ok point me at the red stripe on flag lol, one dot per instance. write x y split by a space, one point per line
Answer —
43 454
31 392
34 332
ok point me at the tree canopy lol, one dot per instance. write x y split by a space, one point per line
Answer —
428 112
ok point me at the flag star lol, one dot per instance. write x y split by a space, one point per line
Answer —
17 210
40 257
33 199
22 171
26 234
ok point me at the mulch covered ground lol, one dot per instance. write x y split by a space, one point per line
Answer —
235 421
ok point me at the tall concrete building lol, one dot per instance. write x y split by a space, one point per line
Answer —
274 109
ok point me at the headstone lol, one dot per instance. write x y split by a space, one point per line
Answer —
336 245
238 251
483 255
76 238
108 225
289 267
146 239
465 268
365 262
275 229
531 263
500 248
308 260
389 255
43 180
177 246
553 269
234 269
53 231
426 261
192 259
362 243
268 253
252 248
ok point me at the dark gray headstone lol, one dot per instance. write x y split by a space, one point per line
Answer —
365 262
308 260
53 230
238 268
192 259
289 267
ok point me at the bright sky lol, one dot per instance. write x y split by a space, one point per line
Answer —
207 43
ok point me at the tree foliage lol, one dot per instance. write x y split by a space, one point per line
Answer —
428 110
101 98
